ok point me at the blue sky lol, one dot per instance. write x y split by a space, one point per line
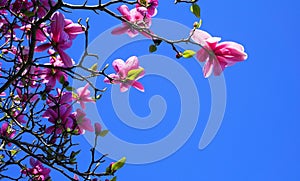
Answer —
259 135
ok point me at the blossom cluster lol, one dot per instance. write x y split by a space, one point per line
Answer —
44 81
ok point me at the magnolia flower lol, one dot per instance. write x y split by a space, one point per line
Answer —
38 171
19 5
51 75
60 117
62 32
83 123
61 98
217 55
83 96
40 33
135 16
151 6
43 6
7 131
127 74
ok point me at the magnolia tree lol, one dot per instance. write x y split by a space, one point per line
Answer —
38 123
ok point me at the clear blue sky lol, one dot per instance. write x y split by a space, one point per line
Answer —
259 139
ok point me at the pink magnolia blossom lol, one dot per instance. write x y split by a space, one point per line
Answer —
151 6
61 98
60 117
62 32
51 75
19 5
83 96
217 55
40 33
38 172
43 6
82 122
7 131
122 69
137 16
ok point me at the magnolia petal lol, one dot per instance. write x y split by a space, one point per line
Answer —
231 44
57 25
120 67
132 63
202 54
66 59
120 30
208 68
152 11
212 42
233 52
132 33
200 36
83 91
124 10
74 29
138 86
86 125
217 67
42 47
124 87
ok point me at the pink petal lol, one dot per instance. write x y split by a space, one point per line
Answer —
202 54
82 91
208 68
124 10
218 69
212 42
138 86
82 104
132 63
232 51
200 36
74 29
120 67
120 30
86 124
57 25
42 47
132 33
124 87
66 59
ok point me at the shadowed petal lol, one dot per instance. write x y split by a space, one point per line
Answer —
57 25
